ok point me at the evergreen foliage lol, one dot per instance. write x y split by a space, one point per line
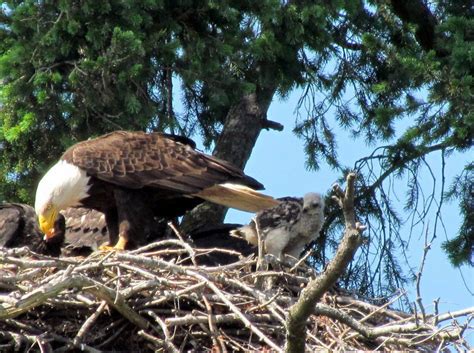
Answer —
75 69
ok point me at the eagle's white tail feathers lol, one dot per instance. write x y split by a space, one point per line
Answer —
237 196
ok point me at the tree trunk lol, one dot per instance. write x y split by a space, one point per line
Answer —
243 124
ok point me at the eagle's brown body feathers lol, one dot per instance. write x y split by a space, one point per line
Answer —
135 160
135 177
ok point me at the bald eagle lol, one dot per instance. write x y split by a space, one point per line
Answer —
288 227
134 177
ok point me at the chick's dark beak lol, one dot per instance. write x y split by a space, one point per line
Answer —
58 231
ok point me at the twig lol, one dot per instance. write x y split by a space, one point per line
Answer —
419 301
88 324
185 245
192 319
168 342
261 297
302 260
32 264
381 308
436 310
114 336
172 295
213 329
266 303
49 290
260 250
156 341
454 314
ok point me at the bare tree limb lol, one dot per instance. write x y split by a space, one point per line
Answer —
168 341
86 326
45 292
272 125
193 319
419 300
299 313
372 332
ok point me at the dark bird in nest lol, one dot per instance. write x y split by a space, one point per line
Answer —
19 227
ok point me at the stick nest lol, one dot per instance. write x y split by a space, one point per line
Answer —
159 298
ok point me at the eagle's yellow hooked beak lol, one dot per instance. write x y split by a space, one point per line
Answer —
46 222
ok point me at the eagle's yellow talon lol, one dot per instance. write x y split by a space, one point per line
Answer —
107 248
120 246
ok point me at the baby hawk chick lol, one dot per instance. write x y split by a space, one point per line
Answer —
288 227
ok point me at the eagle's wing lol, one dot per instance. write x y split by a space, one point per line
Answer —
137 159
85 228
10 218
285 214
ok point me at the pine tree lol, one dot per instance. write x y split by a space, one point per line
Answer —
71 70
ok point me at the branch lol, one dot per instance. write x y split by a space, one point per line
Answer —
87 325
271 125
376 332
168 342
369 332
426 248
298 313
451 315
193 319
417 12
420 152
51 290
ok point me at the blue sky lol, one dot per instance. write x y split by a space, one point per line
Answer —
278 161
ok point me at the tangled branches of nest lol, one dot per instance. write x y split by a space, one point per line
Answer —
159 297
154 298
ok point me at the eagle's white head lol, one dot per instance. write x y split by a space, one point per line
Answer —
63 186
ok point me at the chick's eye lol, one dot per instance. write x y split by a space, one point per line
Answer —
48 208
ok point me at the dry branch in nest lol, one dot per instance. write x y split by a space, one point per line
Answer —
157 298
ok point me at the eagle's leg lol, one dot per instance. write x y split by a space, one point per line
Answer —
124 233
111 219
133 217
119 245
122 242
